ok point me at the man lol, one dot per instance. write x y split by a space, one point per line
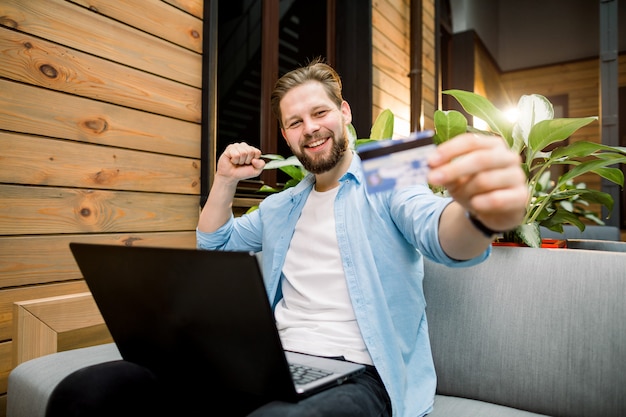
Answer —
343 268
340 265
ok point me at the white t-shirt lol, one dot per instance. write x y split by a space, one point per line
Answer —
315 315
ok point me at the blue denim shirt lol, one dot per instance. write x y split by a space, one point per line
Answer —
382 238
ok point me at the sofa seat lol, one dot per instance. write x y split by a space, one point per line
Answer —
32 383
447 406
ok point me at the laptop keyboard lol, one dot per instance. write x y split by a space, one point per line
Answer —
303 374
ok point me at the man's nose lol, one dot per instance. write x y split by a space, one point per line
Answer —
310 126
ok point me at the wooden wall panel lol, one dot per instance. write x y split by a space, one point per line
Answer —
29 260
193 7
430 89
391 87
38 111
390 59
487 81
155 17
42 161
100 138
42 63
51 210
5 367
81 29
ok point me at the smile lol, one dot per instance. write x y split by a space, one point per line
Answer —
316 143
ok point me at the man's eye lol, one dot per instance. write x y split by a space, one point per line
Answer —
321 113
294 124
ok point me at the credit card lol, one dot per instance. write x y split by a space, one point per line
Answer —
394 163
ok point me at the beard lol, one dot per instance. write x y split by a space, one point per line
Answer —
323 163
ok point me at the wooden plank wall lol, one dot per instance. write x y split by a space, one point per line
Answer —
430 100
391 87
487 78
100 110
390 59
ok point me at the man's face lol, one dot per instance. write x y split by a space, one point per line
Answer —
314 128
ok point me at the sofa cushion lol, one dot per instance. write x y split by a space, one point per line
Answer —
536 329
31 383
446 406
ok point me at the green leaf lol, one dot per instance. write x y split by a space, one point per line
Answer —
360 142
383 126
529 234
544 213
280 161
267 189
273 157
294 172
543 182
592 217
594 166
290 166
587 195
615 175
598 197
448 124
561 217
482 108
351 136
583 148
292 183
548 132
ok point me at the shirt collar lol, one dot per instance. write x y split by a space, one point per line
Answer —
355 171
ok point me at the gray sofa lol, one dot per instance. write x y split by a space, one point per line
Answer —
593 232
528 332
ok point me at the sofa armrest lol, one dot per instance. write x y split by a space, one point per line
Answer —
596 232
592 244
31 383
54 324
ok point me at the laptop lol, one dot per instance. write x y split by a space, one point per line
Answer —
190 312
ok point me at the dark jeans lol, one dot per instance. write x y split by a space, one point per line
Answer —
121 389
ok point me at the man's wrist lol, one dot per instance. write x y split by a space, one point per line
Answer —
486 231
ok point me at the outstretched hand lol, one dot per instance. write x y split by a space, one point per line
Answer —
484 176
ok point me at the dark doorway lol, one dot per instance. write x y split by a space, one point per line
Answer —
301 36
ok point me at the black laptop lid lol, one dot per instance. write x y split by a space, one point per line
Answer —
189 313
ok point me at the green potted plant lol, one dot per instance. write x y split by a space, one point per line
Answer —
553 202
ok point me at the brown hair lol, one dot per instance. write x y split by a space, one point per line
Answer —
316 70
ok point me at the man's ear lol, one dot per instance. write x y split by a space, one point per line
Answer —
346 111
282 132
